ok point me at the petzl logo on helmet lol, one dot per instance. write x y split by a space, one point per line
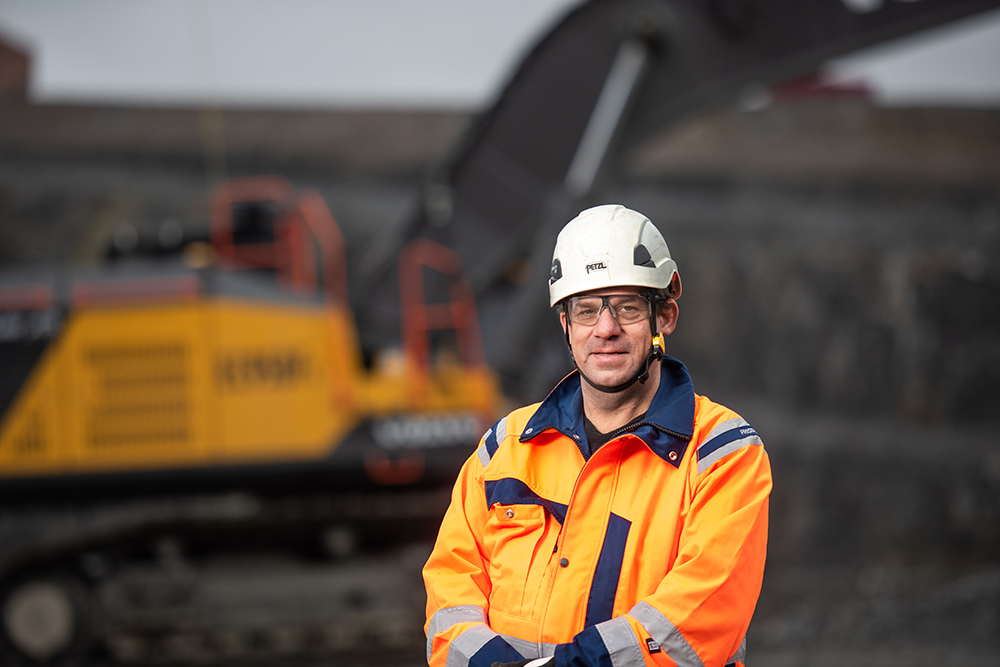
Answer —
596 266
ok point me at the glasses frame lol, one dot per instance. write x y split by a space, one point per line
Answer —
650 302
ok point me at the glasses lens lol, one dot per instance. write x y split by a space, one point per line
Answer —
626 308
629 309
585 310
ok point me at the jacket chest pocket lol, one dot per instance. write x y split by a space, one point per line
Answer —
519 541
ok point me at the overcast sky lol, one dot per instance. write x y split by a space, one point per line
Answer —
380 53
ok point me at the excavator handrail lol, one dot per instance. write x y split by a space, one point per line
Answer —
327 234
302 216
420 317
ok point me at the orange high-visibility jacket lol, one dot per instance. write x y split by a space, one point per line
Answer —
650 551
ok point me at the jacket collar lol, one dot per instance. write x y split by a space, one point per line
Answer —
666 429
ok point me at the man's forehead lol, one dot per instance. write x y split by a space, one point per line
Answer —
623 289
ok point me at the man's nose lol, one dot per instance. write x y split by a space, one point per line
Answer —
607 325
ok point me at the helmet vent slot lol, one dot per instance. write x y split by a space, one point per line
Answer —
640 257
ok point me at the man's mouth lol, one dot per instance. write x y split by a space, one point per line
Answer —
607 354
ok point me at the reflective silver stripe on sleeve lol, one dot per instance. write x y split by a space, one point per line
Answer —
722 427
530 649
621 642
501 431
467 645
484 456
666 635
737 422
449 616
703 464
740 655
482 451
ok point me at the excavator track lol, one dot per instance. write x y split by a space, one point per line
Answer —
220 579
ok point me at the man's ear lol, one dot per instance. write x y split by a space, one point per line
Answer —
666 318
674 288
562 319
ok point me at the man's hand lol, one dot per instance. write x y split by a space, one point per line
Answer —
535 662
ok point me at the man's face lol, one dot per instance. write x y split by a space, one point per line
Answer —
609 353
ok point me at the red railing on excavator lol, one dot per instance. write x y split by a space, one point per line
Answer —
301 220
420 317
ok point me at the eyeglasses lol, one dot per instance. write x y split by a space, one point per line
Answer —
626 308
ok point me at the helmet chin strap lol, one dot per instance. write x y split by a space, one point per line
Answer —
656 352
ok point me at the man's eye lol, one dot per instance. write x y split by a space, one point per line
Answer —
585 311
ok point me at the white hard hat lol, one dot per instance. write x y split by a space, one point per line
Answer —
609 246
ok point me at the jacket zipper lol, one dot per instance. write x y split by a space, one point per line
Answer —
631 427
625 429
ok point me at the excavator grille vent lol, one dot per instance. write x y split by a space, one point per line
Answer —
141 395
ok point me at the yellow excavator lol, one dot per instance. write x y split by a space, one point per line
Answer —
149 410
194 368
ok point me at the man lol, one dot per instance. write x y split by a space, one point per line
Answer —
621 521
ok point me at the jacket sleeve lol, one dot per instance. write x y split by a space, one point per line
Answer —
458 584
699 614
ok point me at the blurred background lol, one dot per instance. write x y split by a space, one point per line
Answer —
268 270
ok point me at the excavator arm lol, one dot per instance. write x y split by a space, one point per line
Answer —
609 76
